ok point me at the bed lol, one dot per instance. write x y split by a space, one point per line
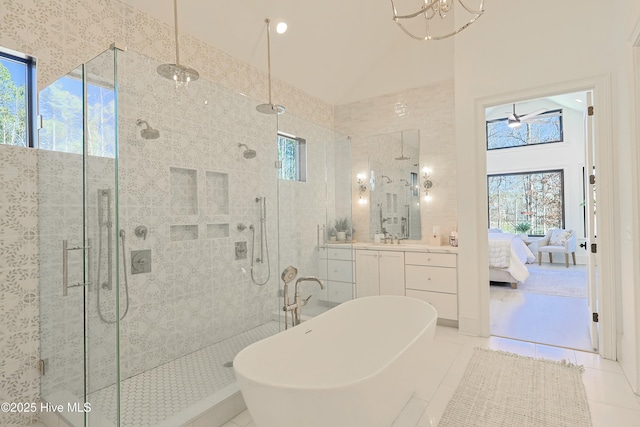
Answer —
508 256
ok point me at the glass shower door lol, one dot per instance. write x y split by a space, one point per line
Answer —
314 191
76 155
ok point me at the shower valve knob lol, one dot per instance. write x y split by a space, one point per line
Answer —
141 231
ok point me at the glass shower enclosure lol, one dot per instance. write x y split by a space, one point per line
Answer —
79 243
162 240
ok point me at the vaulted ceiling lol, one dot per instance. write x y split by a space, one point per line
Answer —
336 50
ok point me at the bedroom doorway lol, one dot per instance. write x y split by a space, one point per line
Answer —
539 157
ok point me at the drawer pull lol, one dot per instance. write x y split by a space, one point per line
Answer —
428 278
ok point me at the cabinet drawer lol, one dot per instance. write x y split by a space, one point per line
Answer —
339 253
339 292
438 279
429 258
340 271
445 304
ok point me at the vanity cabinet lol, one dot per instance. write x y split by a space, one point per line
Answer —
432 277
379 273
335 266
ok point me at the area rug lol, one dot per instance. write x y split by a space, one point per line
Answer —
504 390
554 280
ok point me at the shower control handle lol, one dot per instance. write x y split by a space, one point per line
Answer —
141 231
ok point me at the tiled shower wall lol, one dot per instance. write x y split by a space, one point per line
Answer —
430 109
191 188
19 346
62 35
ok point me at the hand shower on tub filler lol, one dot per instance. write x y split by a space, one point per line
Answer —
288 274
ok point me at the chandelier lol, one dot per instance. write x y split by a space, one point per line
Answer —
435 25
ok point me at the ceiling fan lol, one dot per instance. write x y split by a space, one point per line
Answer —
514 121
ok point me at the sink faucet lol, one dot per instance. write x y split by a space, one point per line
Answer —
299 302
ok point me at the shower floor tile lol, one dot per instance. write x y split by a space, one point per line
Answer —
171 393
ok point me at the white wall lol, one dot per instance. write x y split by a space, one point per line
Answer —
526 52
568 155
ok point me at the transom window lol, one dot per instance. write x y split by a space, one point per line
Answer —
292 155
16 106
536 198
543 129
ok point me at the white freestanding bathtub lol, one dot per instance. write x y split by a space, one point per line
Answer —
356 365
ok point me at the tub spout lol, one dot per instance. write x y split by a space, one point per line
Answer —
299 301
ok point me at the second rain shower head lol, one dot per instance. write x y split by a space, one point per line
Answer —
148 132
248 153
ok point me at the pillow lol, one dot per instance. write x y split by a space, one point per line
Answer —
495 230
559 237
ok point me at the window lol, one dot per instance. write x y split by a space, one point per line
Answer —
16 106
292 154
536 198
546 128
61 107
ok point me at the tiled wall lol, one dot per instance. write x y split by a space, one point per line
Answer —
62 35
19 351
429 109
183 186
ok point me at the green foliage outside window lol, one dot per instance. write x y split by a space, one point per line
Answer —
534 198
13 105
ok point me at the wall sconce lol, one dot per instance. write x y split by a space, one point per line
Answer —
361 188
427 184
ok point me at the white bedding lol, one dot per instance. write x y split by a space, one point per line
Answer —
508 252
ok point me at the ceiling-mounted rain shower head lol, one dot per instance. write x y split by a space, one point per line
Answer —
269 108
248 153
148 132
180 74
288 274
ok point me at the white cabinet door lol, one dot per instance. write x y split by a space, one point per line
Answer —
367 282
391 272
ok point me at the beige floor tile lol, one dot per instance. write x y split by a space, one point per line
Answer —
604 415
609 387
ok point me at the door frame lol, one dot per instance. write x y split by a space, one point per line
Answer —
601 88
635 176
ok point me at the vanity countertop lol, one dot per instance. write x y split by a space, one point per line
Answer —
403 246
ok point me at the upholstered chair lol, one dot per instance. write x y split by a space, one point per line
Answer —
558 241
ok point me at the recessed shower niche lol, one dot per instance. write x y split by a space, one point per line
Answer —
184 191
217 190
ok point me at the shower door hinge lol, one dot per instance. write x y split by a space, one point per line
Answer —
41 365
592 179
278 164
595 317
594 248
590 110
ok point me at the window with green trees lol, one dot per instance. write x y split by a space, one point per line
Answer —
16 77
536 198
292 154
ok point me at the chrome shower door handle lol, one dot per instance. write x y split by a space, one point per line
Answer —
65 267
